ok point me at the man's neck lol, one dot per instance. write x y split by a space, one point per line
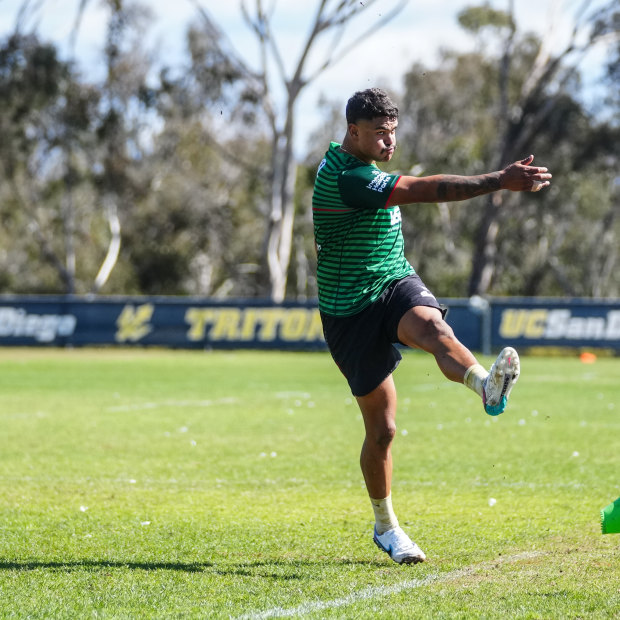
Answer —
349 148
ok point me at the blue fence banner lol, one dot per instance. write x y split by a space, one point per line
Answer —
164 321
181 322
573 323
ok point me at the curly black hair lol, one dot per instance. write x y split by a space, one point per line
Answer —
368 104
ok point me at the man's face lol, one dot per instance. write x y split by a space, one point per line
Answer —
375 139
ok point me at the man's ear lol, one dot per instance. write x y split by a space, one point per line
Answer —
353 130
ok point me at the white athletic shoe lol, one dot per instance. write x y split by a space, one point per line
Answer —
502 376
399 546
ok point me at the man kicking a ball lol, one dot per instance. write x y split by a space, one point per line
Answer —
370 296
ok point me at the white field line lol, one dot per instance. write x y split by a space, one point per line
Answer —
376 592
173 403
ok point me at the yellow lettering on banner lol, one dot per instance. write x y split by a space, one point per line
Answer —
198 319
315 329
536 322
226 326
528 323
294 324
133 323
248 326
512 323
262 324
270 319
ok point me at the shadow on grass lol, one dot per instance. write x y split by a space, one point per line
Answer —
194 567
264 568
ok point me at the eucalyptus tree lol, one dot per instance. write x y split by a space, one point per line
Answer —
293 74
276 70
46 199
479 110
526 108
68 152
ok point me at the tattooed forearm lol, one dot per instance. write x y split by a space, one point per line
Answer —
452 187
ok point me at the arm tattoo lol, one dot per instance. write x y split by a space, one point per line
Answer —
452 187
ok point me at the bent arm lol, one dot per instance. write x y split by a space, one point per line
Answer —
517 177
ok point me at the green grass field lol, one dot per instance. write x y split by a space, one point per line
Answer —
176 484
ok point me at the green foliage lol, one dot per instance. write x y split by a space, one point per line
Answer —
154 484
187 158
73 151
197 230
475 18
45 121
557 242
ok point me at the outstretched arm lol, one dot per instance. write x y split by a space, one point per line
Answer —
517 177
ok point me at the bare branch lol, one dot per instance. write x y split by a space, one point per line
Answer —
545 66
25 12
329 61
224 43
261 28
256 80
76 25
261 25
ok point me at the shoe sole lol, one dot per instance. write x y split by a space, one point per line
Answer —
410 559
505 370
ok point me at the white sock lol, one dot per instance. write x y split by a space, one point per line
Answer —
385 519
474 378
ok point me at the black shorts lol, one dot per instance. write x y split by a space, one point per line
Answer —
362 344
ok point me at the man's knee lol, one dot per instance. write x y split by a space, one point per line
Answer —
436 328
423 327
382 436
432 331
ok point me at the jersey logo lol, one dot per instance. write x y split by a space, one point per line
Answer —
379 183
321 166
395 216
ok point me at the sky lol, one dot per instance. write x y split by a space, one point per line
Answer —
416 34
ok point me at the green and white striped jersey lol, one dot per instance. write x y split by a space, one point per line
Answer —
359 240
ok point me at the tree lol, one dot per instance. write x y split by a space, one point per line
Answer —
452 121
129 165
75 155
185 182
46 119
330 18
197 230
522 114
560 242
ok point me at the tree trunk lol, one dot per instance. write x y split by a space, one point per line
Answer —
113 249
280 234
483 264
